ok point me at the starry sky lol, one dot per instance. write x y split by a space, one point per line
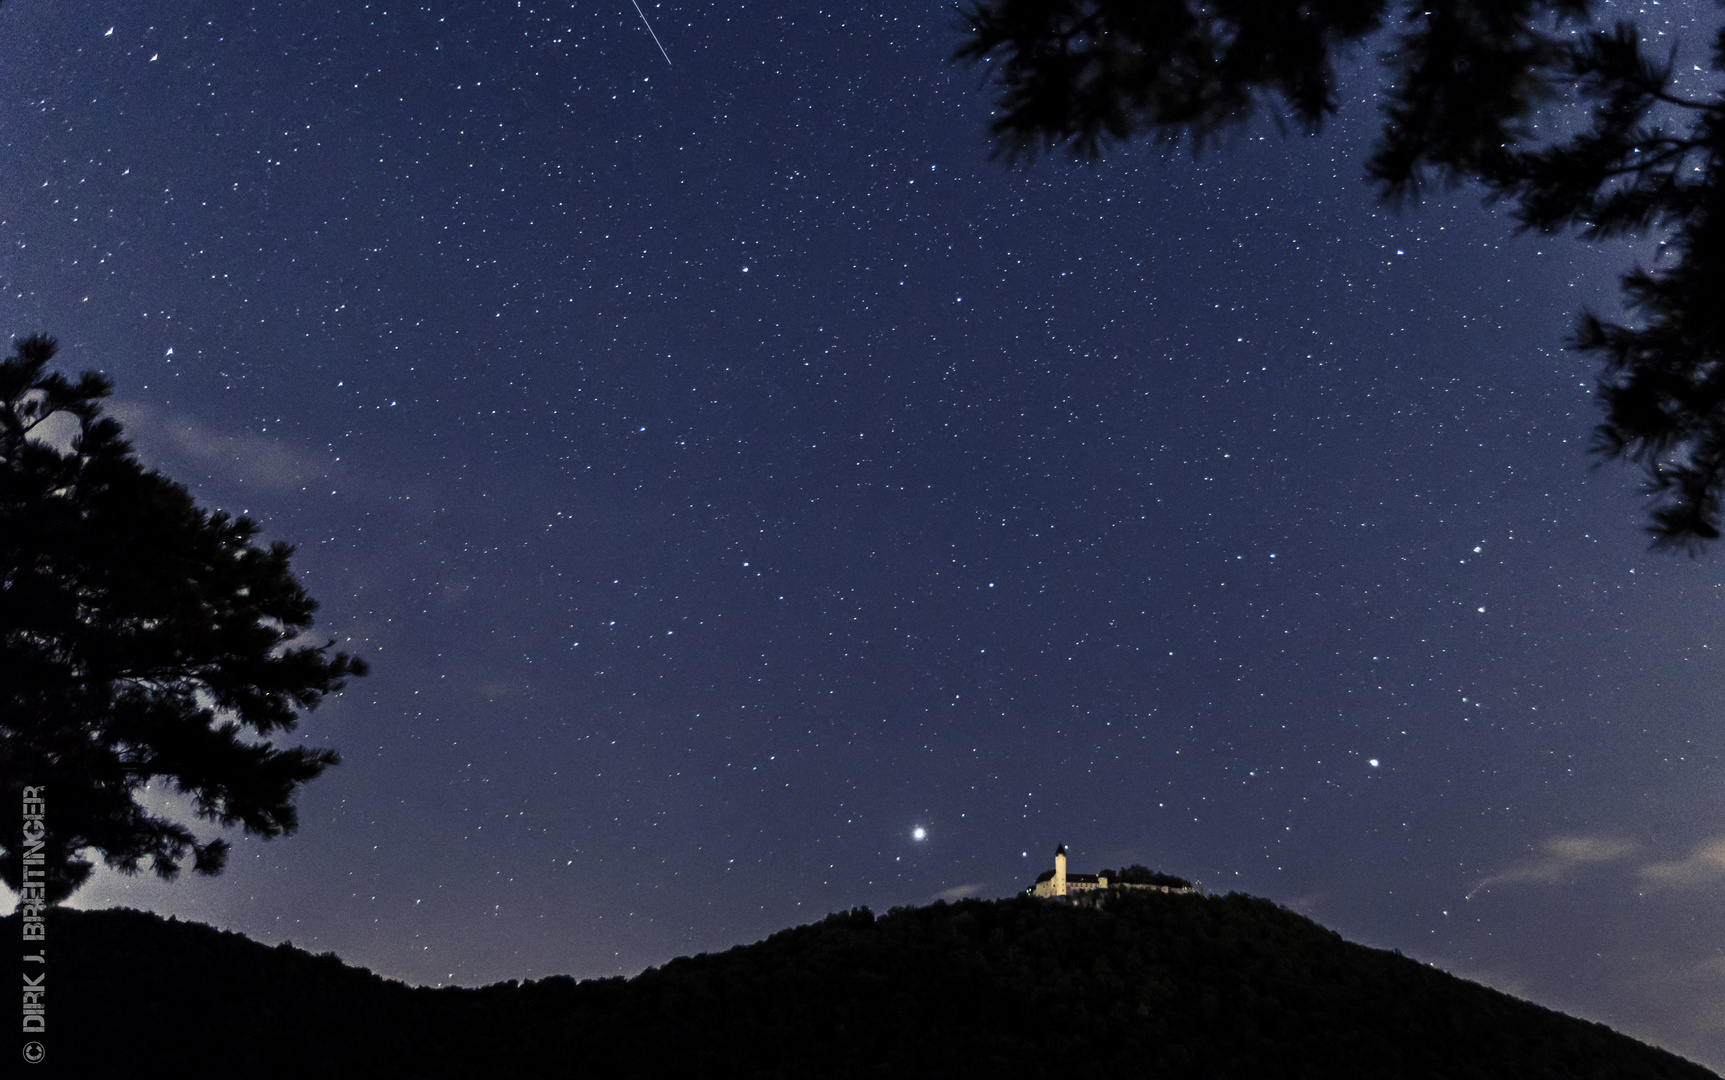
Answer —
728 470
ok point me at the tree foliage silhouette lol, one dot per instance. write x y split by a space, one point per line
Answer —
1146 986
141 640
1468 82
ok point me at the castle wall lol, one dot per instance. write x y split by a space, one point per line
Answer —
1057 884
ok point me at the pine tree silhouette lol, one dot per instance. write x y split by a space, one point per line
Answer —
1467 80
141 640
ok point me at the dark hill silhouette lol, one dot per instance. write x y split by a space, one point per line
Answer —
1156 985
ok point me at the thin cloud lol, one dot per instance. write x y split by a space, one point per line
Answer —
959 892
1558 857
1705 865
248 458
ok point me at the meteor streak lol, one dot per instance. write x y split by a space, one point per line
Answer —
649 27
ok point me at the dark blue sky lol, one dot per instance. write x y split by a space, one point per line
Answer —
727 469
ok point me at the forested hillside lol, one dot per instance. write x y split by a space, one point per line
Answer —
1156 985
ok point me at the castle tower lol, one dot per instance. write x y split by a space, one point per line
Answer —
1059 881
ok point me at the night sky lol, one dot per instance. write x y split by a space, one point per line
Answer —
728 469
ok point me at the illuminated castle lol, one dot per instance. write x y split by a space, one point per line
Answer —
1057 884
